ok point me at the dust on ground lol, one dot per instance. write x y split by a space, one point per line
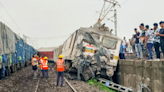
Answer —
22 81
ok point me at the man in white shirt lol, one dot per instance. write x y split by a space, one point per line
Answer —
149 41
130 47
124 41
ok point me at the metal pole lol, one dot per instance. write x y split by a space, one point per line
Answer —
115 21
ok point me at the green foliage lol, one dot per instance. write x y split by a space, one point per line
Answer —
100 85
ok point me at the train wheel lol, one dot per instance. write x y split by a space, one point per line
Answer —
109 72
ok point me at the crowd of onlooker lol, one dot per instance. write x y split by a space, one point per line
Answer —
150 39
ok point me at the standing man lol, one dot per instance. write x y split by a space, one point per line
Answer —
133 44
45 67
41 59
34 63
149 41
130 46
157 42
161 34
60 64
138 45
142 35
124 41
122 51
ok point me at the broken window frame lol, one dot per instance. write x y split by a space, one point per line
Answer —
97 35
111 38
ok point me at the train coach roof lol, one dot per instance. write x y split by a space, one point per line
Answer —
96 30
46 49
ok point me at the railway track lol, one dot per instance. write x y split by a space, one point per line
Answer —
22 81
73 89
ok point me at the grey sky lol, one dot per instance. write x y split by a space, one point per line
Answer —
50 18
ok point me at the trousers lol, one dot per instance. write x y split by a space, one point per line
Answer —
162 46
122 56
139 50
60 74
130 49
156 46
45 73
149 47
35 73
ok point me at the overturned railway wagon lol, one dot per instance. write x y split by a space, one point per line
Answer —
89 52
14 52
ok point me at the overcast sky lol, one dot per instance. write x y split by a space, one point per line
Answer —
60 18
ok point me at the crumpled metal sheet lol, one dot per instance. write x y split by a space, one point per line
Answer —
86 62
88 37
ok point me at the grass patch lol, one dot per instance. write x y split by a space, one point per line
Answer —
101 86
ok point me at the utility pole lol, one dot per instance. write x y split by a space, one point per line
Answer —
115 21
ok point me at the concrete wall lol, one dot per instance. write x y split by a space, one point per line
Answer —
130 73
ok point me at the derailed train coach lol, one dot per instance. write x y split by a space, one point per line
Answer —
89 52
14 52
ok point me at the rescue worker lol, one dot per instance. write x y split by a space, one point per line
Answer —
45 67
60 64
34 63
38 57
40 60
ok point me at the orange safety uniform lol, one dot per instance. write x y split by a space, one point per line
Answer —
41 61
45 65
32 63
60 65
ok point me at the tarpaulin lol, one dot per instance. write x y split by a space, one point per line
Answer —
7 40
14 58
13 48
20 51
29 52
4 58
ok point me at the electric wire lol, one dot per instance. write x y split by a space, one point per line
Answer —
91 19
124 2
11 17
60 36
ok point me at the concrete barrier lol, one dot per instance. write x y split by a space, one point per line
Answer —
131 73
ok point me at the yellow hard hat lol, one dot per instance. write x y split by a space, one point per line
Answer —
45 58
60 56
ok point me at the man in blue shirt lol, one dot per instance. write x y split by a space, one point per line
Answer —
122 51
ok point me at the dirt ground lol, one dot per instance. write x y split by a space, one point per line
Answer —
22 81
78 85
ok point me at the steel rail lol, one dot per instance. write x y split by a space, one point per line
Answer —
70 85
